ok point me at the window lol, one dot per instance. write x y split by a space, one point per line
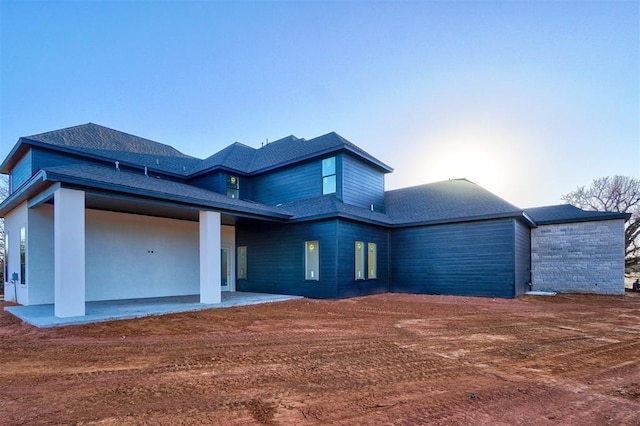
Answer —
372 260
311 260
23 255
329 175
233 187
360 268
6 256
242 262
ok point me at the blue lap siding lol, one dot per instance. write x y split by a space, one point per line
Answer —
522 271
469 259
275 258
363 185
288 184
348 233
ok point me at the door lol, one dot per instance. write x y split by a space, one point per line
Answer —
225 270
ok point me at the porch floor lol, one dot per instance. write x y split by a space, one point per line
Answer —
42 316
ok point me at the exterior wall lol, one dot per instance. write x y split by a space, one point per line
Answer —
118 262
363 185
348 233
276 256
132 256
42 157
21 172
14 291
40 255
298 182
228 240
586 257
214 181
522 236
469 259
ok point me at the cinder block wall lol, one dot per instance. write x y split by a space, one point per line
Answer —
586 257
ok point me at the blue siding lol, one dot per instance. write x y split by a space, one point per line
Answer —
275 258
47 158
471 259
21 172
363 185
348 233
522 257
217 182
214 181
288 184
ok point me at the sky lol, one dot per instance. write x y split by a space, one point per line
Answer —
529 99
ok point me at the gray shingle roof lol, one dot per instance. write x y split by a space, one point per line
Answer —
104 143
330 206
138 184
567 213
446 201
112 145
288 150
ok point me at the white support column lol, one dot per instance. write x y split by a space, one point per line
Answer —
210 278
69 257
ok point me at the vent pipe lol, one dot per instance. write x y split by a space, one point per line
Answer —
117 165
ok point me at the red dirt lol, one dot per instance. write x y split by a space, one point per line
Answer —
389 359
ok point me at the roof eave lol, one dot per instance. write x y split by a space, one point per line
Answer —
14 156
31 187
618 216
321 153
515 215
102 158
223 207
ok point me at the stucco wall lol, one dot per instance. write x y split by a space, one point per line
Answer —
127 256
132 256
586 257
40 262
12 224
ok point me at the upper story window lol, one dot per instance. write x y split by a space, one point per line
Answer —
233 187
329 175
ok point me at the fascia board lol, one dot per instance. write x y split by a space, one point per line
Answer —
458 220
80 182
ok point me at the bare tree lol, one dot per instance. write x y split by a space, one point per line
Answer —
614 194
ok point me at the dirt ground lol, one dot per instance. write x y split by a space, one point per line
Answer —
388 359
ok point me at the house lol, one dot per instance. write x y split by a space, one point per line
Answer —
98 214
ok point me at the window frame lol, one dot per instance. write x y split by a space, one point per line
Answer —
242 263
6 256
311 260
233 188
23 255
329 176
359 261
372 261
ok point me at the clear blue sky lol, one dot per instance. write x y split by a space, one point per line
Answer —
528 99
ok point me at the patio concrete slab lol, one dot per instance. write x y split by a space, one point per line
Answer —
42 316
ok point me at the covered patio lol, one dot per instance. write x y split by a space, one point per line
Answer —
43 316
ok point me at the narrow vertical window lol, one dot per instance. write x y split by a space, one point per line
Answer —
329 175
360 269
311 260
6 256
233 187
242 262
372 270
23 255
